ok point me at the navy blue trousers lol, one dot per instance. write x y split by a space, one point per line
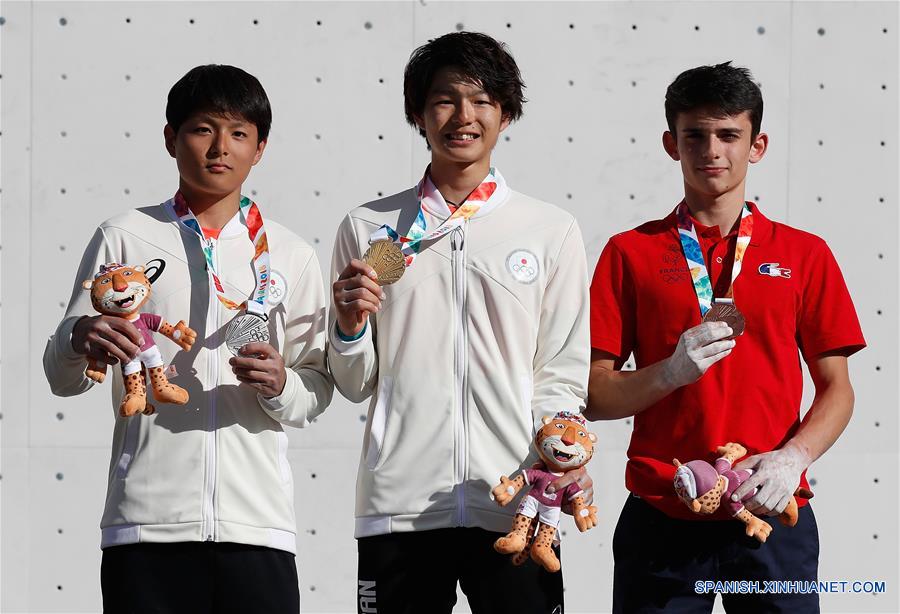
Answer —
658 560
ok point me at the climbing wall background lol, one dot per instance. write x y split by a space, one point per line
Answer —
83 96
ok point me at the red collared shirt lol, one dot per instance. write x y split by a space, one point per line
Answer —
795 302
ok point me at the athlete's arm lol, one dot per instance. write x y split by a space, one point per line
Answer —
614 394
777 473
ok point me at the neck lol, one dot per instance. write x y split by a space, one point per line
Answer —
456 181
213 211
723 210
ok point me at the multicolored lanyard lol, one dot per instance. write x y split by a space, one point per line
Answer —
256 230
693 253
493 190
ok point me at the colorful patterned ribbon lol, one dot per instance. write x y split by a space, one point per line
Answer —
256 230
693 253
491 191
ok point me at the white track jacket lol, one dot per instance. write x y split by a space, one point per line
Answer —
483 335
215 469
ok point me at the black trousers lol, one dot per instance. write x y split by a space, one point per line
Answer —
417 572
198 578
659 560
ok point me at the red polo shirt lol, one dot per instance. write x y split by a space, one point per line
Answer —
794 300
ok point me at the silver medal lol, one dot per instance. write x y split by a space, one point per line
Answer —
246 328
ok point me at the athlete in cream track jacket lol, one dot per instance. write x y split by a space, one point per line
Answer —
215 469
483 335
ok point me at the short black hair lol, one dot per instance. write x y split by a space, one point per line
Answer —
222 90
479 57
724 88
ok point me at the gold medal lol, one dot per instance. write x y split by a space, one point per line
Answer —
387 260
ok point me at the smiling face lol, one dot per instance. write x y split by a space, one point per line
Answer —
120 291
461 121
564 444
714 151
214 153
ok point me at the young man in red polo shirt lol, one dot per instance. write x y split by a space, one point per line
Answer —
700 385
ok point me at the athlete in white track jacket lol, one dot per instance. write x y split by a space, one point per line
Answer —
215 469
485 333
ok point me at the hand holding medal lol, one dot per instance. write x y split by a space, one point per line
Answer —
260 366
356 294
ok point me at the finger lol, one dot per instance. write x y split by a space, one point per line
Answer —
251 363
122 342
265 351
706 363
359 281
113 350
358 267
129 329
749 463
781 505
714 348
361 294
747 487
563 482
358 306
706 333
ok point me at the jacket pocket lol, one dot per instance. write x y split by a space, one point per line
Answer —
378 425
128 448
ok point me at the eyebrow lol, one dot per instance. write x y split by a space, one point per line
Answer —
442 91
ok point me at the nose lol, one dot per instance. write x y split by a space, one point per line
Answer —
465 112
711 147
568 436
219 145
119 283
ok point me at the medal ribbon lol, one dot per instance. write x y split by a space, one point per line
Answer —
693 254
492 190
256 230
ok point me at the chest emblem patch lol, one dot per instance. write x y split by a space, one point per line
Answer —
277 288
523 265
774 269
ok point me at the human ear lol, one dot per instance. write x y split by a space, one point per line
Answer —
670 144
758 147
169 136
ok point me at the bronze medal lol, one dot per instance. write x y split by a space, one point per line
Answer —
728 313
387 260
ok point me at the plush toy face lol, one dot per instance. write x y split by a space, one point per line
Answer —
118 290
564 444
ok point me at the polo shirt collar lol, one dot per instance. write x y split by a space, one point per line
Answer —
762 226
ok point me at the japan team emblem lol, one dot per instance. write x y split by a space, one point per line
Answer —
523 265
277 288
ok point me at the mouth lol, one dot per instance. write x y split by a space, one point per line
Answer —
124 303
217 168
712 170
461 138
562 456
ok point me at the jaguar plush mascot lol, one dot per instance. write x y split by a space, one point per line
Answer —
119 290
704 488
564 444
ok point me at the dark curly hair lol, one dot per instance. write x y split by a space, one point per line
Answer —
724 88
222 90
478 56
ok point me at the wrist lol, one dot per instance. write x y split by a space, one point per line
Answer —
358 331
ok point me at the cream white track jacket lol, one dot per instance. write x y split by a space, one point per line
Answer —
485 333
215 469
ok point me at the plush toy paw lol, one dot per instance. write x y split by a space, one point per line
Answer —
132 404
97 376
760 529
510 544
184 336
505 491
149 410
790 514
732 450
586 518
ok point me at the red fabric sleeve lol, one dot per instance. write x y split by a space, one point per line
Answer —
612 304
827 319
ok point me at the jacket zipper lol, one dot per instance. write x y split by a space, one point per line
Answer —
458 245
212 370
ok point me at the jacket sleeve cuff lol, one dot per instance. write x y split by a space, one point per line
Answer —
287 395
347 345
63 338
